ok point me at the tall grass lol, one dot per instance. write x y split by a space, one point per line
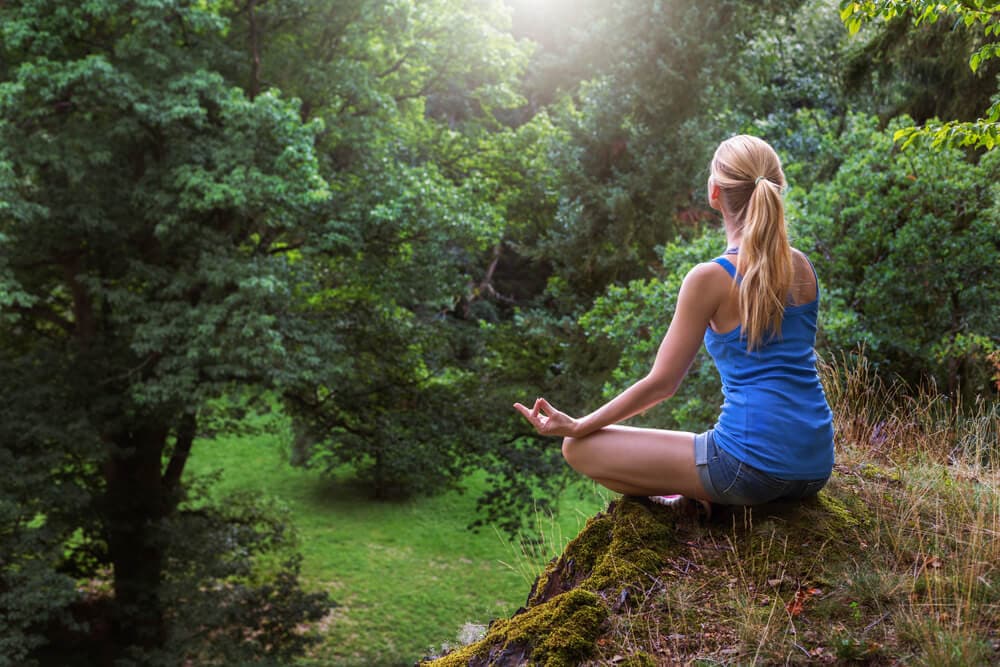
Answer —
919 575
884 420
926 467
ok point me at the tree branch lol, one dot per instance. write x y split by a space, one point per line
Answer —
394 67
83 311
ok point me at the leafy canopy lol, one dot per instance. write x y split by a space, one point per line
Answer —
981 133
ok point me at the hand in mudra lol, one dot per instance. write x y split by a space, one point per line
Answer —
547 420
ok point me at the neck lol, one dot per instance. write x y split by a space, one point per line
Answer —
733 236
734 230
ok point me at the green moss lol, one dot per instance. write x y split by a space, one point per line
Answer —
639 541
577 560
878 473
615 549
563 630
837 511
558 633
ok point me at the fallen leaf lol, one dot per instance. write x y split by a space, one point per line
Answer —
795 606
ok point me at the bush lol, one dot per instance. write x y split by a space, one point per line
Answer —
905 244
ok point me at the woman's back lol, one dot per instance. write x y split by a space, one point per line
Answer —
775 415
804 290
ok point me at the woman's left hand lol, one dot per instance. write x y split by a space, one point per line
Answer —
547 420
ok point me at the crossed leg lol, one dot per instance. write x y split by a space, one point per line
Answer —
637 461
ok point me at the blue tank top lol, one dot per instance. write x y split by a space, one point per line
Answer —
774 416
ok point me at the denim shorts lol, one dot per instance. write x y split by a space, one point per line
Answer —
729 481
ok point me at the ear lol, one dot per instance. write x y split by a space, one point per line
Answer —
713 195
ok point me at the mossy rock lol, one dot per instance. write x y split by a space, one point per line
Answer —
561 632
609 565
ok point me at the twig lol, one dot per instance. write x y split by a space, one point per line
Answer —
875 622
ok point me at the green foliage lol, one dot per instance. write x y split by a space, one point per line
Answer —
983 132
148 206
794 60
42 496
632 169
396 217
915 228
429 184
634 319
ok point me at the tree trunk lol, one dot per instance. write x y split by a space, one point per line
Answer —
135 509
254 39
380 492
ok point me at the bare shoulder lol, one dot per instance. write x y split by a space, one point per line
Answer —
804 280
705 274
708 280
705 270
801 261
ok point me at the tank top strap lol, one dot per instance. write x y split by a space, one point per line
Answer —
815 275
728 266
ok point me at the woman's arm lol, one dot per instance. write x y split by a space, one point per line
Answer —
698 299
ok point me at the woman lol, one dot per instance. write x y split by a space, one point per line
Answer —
755 308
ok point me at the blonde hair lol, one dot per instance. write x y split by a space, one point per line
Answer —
748 174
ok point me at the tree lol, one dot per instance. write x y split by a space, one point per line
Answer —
983 132
906 244
149 209
429 185
634 318
642 129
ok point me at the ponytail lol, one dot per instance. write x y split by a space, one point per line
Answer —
748 173
765 261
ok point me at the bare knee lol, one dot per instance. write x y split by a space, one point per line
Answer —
571 451
567 447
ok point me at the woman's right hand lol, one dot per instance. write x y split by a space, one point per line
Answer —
547 420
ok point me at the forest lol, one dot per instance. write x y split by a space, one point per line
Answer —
340 238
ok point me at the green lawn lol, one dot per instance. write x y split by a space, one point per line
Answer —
406 575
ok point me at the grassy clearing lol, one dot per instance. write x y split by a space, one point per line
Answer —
408 576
